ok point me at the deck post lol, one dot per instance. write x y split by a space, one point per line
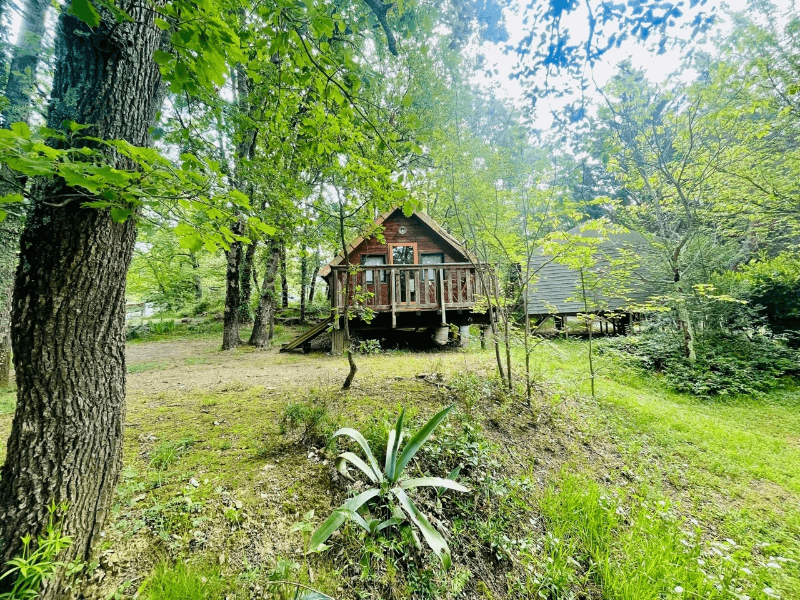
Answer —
394 298
441 296
483 337
338 341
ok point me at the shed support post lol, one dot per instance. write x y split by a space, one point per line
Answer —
338 341
483 337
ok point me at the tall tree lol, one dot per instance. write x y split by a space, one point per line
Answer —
69 297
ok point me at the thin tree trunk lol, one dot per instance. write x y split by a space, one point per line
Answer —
198 282
303 284
21 81
246 288
284 281
19 89
589 330
348 347
313 286
69 301
263 327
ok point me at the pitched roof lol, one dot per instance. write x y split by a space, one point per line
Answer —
555 288
424 218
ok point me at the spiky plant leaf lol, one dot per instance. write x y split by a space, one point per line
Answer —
392 446
338 517
432 537
433 482
415 443
345 457
352 433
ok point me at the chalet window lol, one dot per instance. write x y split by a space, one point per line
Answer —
432 259
372 260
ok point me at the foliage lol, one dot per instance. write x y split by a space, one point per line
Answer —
310 421
728 362
772 286
389 501
37 563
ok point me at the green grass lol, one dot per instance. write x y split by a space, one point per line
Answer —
733 465
183 581
8 400
632 547
147 366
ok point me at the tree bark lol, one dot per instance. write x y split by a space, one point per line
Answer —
263 324
246 287
69 300
284 281
230 322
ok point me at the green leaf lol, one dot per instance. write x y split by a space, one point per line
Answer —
162 24
433 482
393 445
407 100
338 517
161 57
415 443
432 537
341 465
21 129
352 433
73 126
86 12
9 198
120 215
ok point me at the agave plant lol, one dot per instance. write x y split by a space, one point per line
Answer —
391 486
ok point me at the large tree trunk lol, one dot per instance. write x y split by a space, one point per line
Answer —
69 300
246 286
230 322
265 313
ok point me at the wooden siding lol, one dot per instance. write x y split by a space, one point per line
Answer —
427 241
556 289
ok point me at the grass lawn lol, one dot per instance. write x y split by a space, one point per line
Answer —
639 493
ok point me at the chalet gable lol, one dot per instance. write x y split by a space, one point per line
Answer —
418 231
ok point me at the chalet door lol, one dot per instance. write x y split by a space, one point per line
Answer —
404 254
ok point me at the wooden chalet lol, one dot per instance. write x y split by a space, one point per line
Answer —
418 277
556 288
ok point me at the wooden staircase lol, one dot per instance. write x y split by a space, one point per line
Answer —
303 340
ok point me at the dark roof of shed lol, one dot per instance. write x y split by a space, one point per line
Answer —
556 287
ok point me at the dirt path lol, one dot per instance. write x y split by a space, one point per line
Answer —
199 364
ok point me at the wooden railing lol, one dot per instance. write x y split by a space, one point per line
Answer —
410 288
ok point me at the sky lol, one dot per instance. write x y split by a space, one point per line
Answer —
658 67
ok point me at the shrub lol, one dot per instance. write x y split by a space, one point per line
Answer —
36 565
728 363
309 421
389 500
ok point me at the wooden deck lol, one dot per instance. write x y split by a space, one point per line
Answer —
413 288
